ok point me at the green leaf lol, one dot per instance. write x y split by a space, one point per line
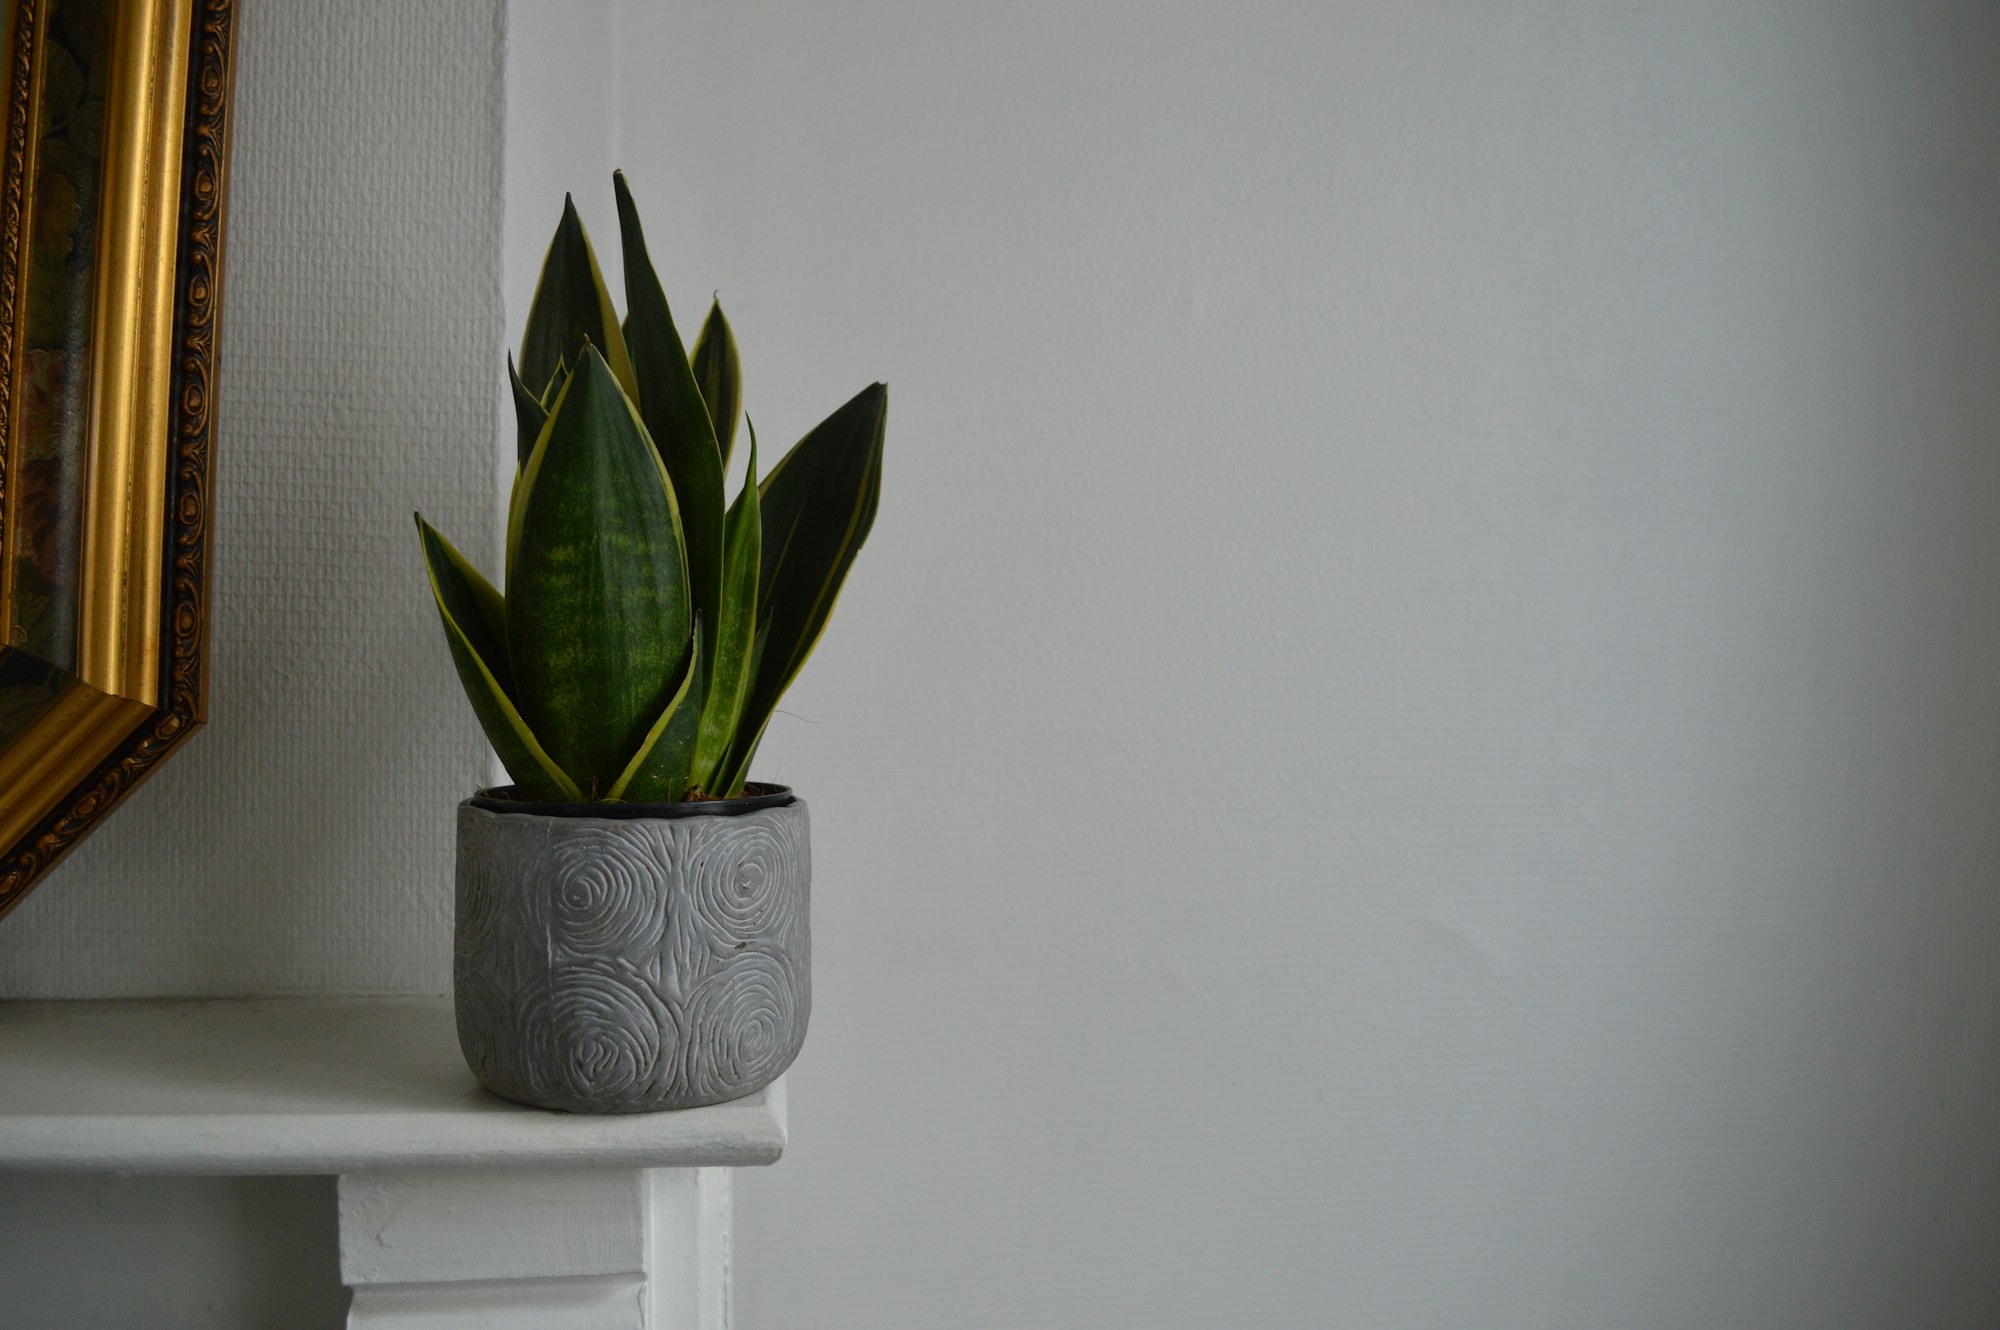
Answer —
817 506
598 620
556 383
736 632
662 770
736 768
571 309
529 413
475 629
720 376
671 406
524 476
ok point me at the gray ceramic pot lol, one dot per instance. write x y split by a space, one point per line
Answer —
621 965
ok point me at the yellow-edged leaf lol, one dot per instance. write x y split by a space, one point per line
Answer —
598 617
719 374
571 309
675 416
662 770
529 415
735 635
817 507
474 630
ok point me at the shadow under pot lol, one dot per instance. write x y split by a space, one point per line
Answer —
623 958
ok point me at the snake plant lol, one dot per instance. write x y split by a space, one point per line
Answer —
647 630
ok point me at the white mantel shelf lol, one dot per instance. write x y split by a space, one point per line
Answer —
309 1085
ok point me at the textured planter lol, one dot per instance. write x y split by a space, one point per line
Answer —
620 964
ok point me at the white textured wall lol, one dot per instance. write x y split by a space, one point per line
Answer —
1415 745
303 840
555 144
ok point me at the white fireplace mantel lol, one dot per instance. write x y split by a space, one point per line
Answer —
456 1208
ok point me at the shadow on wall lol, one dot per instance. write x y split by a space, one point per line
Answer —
237 1252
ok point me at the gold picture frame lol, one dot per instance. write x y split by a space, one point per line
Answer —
113 176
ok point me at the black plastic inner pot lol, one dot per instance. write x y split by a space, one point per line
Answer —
501 799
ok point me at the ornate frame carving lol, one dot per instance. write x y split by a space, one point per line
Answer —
139 683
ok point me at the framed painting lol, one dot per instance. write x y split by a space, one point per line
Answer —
112 184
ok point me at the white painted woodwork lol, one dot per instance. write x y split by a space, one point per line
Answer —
309 1085
456 1209
694 1228
621 1249
615 1302
416 1227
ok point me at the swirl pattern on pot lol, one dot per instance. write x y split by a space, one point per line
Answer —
741 884
744 1007
600 898
595 1029
606 965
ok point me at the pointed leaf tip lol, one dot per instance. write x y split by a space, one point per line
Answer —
529 414
677 419
570 306
719 376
